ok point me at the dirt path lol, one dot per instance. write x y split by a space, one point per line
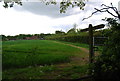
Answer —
63 69
83 49
75 60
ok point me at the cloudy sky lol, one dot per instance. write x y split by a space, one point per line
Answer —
36 17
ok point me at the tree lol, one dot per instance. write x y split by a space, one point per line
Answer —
106 9
10 3
64 4
3 37
73 30
59 32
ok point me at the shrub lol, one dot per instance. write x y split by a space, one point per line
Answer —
107 65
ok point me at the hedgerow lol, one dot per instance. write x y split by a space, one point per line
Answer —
70 38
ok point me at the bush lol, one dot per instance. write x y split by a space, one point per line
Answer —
107 65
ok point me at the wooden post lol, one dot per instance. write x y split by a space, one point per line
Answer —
91 49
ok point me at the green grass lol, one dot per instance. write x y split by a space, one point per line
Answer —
38 59
75 71
24 53
46 72
28 72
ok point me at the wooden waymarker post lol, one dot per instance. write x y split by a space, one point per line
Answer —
91 47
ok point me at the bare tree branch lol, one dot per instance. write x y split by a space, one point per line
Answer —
105 5
111 13
106 9
90 15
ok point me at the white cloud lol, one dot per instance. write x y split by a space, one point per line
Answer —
22 21
27 23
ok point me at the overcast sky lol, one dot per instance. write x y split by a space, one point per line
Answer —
36 17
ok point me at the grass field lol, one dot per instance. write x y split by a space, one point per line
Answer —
36 59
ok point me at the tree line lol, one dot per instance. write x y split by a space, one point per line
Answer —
23 36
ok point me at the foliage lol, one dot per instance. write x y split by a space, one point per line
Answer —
72 31
10 3
3 38
24 36
64 4
107 66
113 24
78 37
83 38
59 32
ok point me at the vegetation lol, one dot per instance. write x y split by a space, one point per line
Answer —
70 38
105 68
39 59
76 36
107 65
23 55
24 36
63 4
46 72
33 52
